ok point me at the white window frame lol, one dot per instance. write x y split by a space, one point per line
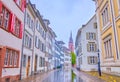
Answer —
108 47
105 19
6 61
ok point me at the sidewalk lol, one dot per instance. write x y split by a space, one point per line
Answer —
86 77
106 77
37 78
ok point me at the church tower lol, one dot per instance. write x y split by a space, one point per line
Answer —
71 44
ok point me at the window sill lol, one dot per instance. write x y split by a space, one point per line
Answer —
4 29
28 48
93 64
28 27
10 67
109 59
9 32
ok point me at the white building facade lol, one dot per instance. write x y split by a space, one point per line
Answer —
86 46
67 60
39 44
28 44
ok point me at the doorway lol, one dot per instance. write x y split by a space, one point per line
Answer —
28 66
35 69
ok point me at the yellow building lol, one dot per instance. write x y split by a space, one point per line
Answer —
108 19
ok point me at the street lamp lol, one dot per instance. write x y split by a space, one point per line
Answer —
99 69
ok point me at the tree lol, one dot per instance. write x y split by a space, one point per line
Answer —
73 60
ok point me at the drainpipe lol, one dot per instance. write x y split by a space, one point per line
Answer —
22 46
114 28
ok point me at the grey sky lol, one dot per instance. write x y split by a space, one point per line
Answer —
66 15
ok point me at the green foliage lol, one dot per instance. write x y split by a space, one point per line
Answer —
73 56
73 76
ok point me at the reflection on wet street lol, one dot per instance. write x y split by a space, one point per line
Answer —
63 76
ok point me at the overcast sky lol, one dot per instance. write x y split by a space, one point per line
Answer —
66 15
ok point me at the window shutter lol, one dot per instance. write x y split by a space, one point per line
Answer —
0 7
10 28
94 36
88 49
88 60
12 23
95 60
23 6
87 36
95 47
21 31
39 44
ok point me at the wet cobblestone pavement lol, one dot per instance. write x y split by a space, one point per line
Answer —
65 75
70 76
61 75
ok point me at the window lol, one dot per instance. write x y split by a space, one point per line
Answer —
108 47
43 47
28 41
6 57
91 47
32 25
12 53
24 61
105 15
4 18
28 19
80 60
16 58
92 60
91 36
37 26
43 62
40 62
11 58
37 42
17 27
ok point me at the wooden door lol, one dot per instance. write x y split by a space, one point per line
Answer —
28 66
35 68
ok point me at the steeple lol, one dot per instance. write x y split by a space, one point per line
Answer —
71 44
71 39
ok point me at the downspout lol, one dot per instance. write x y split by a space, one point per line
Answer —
22 45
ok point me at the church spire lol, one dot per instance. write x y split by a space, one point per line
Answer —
71 39
71 44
